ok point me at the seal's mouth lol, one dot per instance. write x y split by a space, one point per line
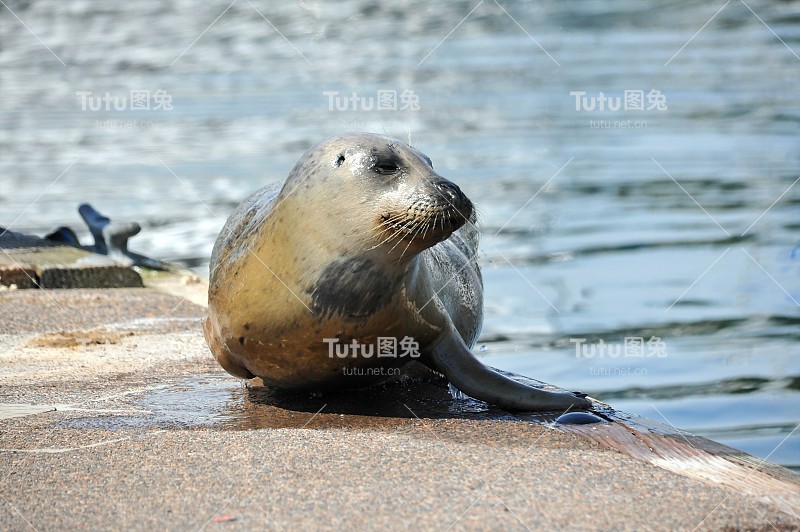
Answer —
429 221
433 212
423 221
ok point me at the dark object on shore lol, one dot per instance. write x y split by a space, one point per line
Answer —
64 235
110 238
579 418
28 261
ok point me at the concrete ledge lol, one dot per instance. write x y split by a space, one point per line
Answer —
118 417
28 261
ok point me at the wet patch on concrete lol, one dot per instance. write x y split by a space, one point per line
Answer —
197 401
218 402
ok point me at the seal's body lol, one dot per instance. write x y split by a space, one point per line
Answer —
363 241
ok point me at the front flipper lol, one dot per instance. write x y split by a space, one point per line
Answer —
468 374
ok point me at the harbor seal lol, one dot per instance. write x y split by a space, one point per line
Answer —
363 260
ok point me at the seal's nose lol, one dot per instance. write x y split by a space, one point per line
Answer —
451 192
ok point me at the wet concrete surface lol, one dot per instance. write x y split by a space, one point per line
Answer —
148 432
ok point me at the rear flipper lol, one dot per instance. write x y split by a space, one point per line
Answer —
467 373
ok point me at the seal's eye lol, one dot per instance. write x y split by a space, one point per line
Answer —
340 160
386 167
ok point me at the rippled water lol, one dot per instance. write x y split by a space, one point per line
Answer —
682 226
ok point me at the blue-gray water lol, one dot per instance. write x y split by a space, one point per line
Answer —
682 226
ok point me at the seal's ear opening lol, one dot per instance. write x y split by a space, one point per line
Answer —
339 160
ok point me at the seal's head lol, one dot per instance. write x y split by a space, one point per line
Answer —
392 201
